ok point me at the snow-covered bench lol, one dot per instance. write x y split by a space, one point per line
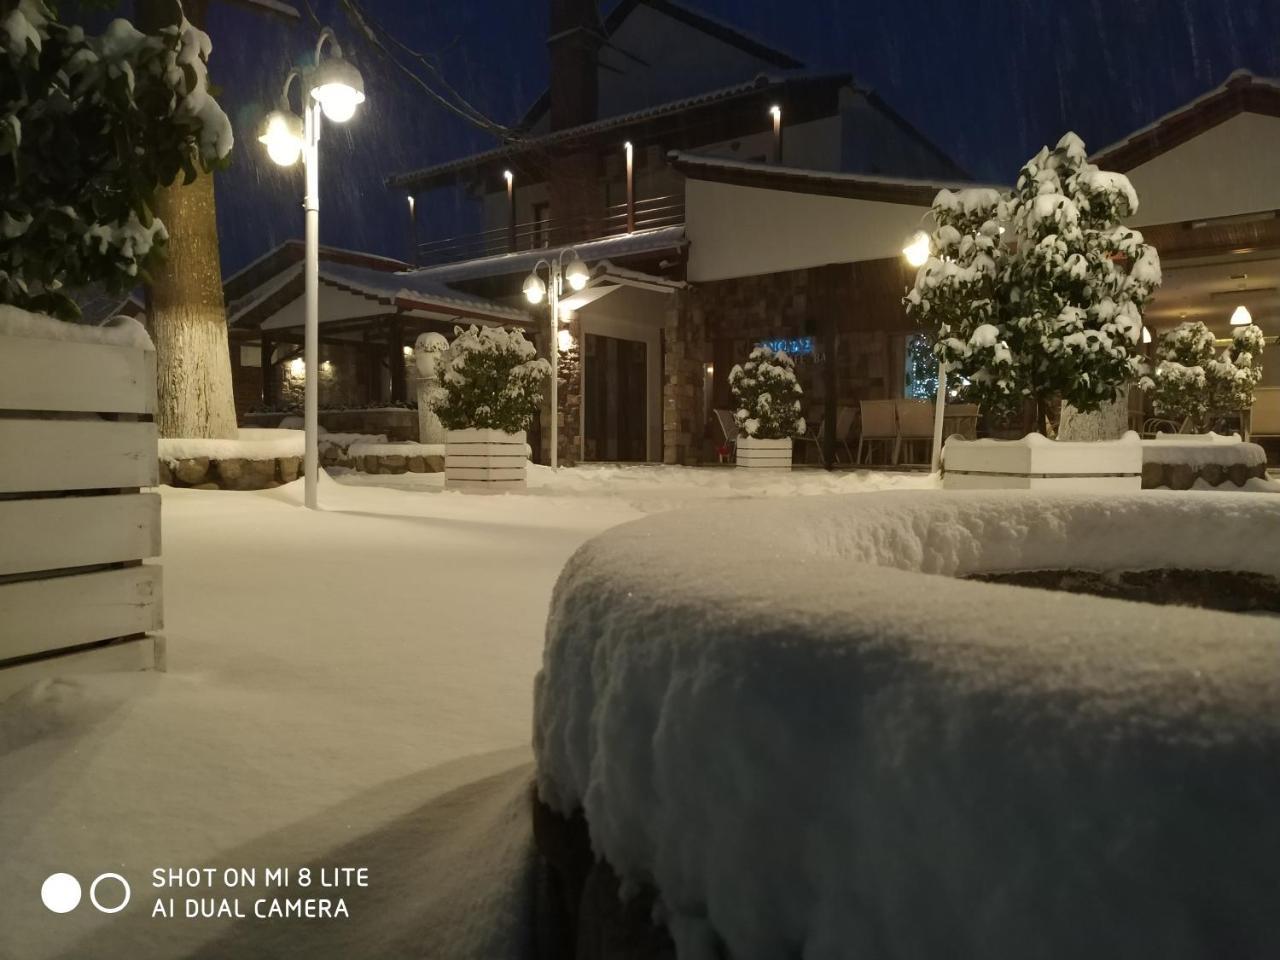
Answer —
798 725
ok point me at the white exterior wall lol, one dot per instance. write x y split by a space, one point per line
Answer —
1225 171
737 231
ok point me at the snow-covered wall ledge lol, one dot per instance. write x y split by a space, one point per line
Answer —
794 722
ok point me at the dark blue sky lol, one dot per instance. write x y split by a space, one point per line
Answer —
988 80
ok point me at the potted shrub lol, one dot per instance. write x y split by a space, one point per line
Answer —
1195 389
490 390
1035 298
767 400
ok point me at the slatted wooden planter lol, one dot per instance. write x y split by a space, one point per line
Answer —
77 449
485 461
775 454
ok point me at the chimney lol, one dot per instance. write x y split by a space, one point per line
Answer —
574 44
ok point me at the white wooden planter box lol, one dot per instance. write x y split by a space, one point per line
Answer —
775 454
485 461
1037 463
77 447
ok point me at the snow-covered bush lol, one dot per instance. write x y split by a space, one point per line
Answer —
492 380
89 128
1189 382
1038 295
767 396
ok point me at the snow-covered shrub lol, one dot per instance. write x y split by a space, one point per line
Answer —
1189 382
767 396
1038 294
89 128
492 380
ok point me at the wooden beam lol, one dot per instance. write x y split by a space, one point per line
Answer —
395 359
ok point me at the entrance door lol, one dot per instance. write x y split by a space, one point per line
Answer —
614 421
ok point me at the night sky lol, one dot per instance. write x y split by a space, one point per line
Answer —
990 81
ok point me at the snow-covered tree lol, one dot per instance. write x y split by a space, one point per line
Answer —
493 379
767 396
1038 295
89 128
1236 372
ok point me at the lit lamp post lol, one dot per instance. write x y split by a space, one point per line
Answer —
334 87
535 289
917 252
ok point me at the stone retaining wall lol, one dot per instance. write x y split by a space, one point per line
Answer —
1183 476
204 473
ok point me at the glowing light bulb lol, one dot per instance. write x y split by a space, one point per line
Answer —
917 249
282 136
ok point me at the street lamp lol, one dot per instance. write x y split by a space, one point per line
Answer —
335 88
917 252
577 275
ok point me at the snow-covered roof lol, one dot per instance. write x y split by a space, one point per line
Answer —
760 84
412 290
857 185
1243 91
507 264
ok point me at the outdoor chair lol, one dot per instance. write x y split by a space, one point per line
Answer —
961 419
879 425
728 429
915 428
845 419
1264 415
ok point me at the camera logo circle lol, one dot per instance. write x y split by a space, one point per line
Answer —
93 893
60 892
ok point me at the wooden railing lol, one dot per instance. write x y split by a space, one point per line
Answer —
612 221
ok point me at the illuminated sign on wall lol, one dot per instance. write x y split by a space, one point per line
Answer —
791 346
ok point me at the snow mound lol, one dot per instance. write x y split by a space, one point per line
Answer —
116 331
257 443
773 714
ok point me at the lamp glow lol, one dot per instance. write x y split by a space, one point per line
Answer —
564 340
297 367
534 288
282 136
917 249
577 274
338 88
1146 335
1242 317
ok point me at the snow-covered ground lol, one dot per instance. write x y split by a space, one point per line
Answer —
347 688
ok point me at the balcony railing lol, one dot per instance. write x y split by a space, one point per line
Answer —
612 221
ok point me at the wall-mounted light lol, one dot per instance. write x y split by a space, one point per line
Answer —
508 176
408 352
297 368
564 339
326 366
710 368
1242 317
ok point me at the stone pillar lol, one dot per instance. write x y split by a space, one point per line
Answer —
427 355
684 351
569 396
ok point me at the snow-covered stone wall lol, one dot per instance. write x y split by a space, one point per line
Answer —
795 722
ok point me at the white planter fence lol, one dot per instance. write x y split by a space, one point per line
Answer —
1037 463
752 452
485 461
77 445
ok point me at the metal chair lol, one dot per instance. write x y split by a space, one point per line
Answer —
915 424
879 425
845 419
728 429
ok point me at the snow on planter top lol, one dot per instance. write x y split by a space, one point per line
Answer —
1202 449
115 332
769 712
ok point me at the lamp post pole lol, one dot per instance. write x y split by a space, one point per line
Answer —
938 411
311 350
553 299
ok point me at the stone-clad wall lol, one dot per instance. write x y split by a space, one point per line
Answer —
718 323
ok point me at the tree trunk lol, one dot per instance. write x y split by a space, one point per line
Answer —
184 304
1108 423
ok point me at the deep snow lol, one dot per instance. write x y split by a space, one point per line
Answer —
350 687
